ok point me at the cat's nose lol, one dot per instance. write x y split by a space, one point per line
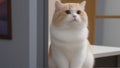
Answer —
74 16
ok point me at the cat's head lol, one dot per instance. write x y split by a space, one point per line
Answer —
70 15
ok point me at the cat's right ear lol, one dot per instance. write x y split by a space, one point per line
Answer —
83 4
58 5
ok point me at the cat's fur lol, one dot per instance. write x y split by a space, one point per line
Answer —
70 47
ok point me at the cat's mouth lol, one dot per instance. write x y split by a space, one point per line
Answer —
74 20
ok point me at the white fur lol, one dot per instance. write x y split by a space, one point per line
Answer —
69 48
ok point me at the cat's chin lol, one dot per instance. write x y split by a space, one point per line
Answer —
76 25
74 21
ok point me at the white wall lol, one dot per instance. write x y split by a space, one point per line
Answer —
15 53
108 32
25 50
32 33
51 9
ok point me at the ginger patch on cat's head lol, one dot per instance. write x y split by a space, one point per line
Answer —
69 13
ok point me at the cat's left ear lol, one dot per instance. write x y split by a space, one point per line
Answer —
83 4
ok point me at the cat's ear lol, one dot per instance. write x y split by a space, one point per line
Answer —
83 4
58 5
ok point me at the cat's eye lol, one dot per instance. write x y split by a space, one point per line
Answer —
78 12
67 12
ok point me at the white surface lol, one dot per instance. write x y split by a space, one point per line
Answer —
104 51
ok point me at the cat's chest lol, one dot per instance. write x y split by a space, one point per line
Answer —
69 35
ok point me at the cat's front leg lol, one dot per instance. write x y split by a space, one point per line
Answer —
60 60
78 61
89 62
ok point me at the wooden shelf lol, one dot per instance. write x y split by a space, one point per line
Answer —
107 16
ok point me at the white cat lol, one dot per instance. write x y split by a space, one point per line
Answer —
70 47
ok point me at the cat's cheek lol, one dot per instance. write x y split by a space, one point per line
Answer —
68 19
79 20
